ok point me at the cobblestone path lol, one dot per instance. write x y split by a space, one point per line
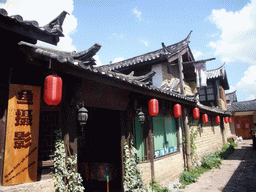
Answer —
237 173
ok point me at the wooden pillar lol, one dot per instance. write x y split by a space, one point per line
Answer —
184 117
217 97
4 94
3 121
150 147
68 118
222 127
126 128
181 75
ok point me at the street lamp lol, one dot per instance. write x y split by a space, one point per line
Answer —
82 115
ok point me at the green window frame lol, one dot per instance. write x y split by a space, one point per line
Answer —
139 140
165 135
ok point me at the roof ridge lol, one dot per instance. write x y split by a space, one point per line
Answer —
221 67
150 55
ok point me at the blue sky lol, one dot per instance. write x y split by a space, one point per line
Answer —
225 30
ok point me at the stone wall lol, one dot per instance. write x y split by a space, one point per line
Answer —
209 139
168 168
39 186
169 72
145 169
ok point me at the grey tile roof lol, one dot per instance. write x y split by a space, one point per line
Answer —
71 58
219 73
158 55
49 33
231 96
243 106
213 109
82 58
77 60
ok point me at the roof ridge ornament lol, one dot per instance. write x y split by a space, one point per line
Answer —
188 37
55 26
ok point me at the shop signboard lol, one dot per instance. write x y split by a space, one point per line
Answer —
21 145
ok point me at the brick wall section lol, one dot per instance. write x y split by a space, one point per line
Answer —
209 139
145 172
40 186
168 168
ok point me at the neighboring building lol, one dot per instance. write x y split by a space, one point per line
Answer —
217 83
244 115
113 95
166 132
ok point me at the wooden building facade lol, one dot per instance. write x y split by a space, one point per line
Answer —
113 95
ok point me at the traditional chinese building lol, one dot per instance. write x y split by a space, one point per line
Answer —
116 96
244 115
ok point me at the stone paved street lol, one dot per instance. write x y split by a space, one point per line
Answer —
237 173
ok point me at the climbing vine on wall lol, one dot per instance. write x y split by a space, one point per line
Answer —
66 178
193 134
132 177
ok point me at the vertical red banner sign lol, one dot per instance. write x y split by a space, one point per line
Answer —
21 145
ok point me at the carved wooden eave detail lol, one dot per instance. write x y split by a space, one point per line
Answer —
147 79
30 31
86 57
55 26
83 58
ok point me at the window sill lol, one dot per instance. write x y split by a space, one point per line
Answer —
167 155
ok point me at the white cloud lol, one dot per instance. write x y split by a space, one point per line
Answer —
249 78
97 60
237 43
137 13
238 34
118 59
247 84
197 54
44 12
214 35
144 42
121 36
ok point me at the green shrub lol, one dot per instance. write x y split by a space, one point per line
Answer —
211 161
157 188
227 150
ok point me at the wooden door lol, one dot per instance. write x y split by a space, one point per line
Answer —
243 125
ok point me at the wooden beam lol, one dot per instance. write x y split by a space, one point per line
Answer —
192 62
199 61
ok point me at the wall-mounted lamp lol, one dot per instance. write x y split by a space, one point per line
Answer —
141 117
82 115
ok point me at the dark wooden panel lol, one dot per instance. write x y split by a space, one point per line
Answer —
95 94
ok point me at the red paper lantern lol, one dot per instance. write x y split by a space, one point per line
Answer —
177 110
205 118
230 120
153 107
217 119
52 90
226 119
196 113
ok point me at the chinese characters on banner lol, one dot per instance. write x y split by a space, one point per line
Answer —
21 145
